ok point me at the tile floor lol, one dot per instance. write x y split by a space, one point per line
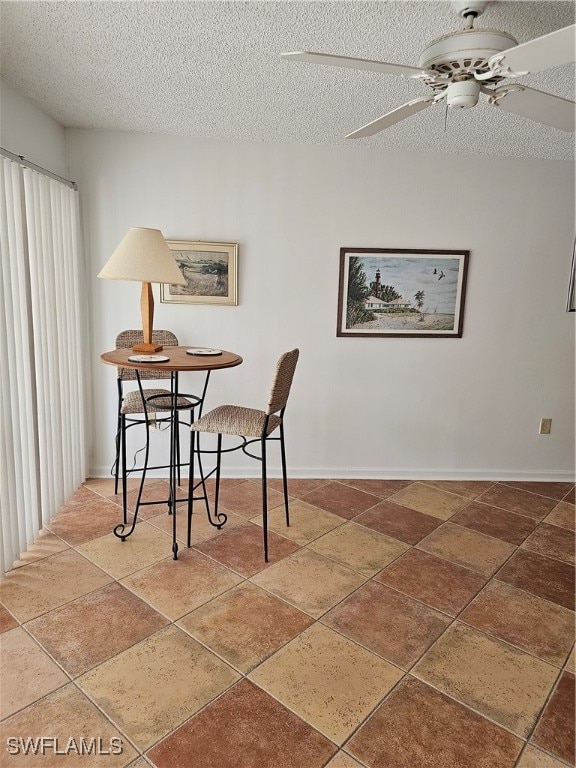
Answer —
398 625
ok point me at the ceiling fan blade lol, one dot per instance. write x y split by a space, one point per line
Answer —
398 114
345 61
551 50
535 105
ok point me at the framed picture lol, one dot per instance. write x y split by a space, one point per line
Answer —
401 292
210 271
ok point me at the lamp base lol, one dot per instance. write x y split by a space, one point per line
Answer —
147 349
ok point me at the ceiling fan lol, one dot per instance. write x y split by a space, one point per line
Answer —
460 66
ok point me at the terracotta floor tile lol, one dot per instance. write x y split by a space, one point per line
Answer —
97 626
201 527
65 714
88 521
145 546
382 488
495 522
467 548
552 541
430 501
296 487
390 624
528 622
176 587
436 582
468 488
257 732
399 522
418 727
245 499
226 484
140 763
328 680
562 515
499 681
306 522
242 549
154 490
26 674
542 576
152 687
310 582
343 760
7 621
151 678
46 544
552 490
519 501
555 730
341 499
104 486
49 583
360 548
245 625
535 758
570 497
80 496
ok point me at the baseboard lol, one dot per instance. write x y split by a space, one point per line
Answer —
372 473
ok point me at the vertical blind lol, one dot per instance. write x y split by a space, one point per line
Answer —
42 403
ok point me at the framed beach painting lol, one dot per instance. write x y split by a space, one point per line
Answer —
401 292
210 271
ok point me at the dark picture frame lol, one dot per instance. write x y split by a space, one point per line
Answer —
571 303
402 292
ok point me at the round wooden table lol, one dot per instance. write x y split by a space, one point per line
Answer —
179 362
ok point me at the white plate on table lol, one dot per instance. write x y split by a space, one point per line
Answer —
203 351
148 359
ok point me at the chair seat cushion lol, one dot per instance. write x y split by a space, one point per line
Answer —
235 420
161 401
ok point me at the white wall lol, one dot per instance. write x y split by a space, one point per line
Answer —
377 407
27 130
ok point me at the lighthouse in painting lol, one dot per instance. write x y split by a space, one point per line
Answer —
375 286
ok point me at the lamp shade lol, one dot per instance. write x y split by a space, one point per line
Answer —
143 255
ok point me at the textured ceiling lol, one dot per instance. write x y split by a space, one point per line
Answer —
213 69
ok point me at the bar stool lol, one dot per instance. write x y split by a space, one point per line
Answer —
252 426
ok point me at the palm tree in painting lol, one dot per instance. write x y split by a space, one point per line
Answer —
419 299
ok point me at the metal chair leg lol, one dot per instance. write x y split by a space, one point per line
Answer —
177 427
218 468
284 477
264 500
191 487
124 483
118 437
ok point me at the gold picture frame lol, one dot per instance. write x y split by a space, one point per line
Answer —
210 271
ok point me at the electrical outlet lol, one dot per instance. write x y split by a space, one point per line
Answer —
545 426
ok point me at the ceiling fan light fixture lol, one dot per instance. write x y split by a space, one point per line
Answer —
460 65
463 94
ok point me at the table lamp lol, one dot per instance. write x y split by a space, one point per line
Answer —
144 255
